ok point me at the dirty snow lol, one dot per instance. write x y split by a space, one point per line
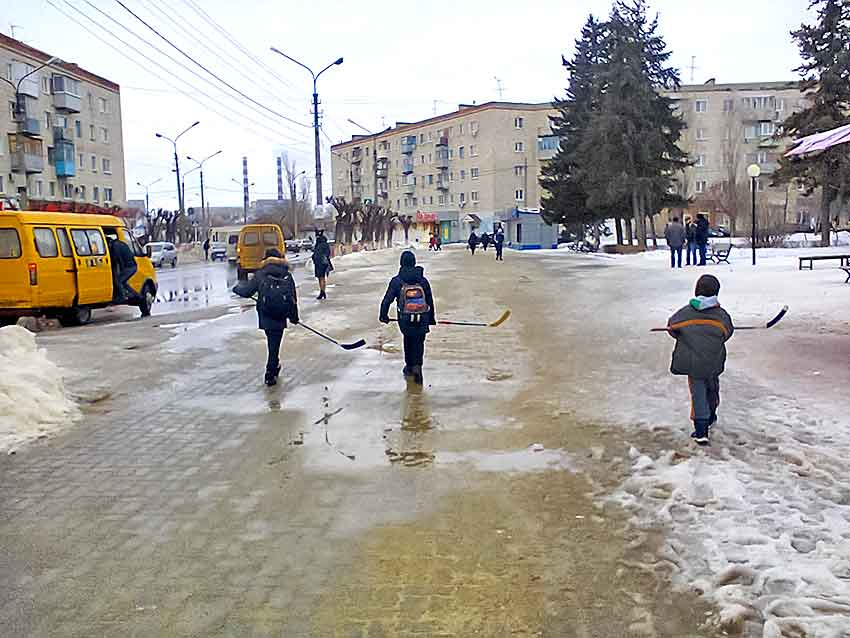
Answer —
33 400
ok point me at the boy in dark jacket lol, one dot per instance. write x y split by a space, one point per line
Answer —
277 302
701 330
407 284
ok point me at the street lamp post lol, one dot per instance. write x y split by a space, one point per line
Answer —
292 203
753 171
147 194
244 200
17 87
200 166
180 202
338 61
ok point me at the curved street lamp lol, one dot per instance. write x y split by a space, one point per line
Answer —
336 62
177 160
147 195
200 166
753 171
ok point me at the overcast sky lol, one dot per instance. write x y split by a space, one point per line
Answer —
403 60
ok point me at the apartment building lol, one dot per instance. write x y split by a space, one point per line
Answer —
451 172
61 138
729 127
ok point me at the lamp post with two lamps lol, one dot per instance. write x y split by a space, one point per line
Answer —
180 202
244 199
200 166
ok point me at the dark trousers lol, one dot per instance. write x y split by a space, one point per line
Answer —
124 276
273 340
499 252
472 247
414 350
691 251
702 253
674 254
705 399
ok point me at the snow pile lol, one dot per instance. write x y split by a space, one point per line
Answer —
33 401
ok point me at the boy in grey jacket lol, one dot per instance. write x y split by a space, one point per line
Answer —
701 330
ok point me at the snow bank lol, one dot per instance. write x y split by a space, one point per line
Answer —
33 401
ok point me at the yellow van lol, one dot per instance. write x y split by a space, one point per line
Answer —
254 241
58 265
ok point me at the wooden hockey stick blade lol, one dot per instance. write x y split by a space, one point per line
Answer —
353 346
769 324
505 316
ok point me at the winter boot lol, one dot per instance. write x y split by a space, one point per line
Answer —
271 377
407 372
417 374
700 434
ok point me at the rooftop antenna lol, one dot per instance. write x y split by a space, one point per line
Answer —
499 88
12 28
435 106
693 67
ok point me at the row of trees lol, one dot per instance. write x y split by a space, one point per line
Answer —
375 223
619 154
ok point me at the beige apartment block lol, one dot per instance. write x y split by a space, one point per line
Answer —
62 141
729 127
451 172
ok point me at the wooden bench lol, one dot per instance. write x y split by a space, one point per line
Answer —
847 270
720 252
844 259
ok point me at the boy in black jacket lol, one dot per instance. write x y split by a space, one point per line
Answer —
411 292
277 302
701 330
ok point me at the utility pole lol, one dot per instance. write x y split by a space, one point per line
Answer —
245 198
279 178
180 200
200 166
338 61
147 192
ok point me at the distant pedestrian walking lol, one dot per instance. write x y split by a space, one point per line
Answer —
472 243
675 235
701 236
485 241
411 293
322 264
432 243
691 236
207 249
499 243
277 303
701 330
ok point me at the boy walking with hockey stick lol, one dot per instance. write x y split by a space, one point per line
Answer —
411 292
701 330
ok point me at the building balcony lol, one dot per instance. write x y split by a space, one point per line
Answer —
443 140
30 126
749 114
67 102
408 144
407 166
356 155
66 168
408 189
383 153
381 171
383 194
24 161
443 182
441 158
356 174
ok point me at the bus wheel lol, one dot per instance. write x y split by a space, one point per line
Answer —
148 298
76 316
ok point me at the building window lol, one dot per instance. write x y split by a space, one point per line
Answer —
460 129
107 166
53 189
422 159
519 171
519 194
95 194
473 150
39 189
2 186
92 136
766 129
474 196
518 122
45 85
750 132
728 105
431 179
462 174
761 157
701 106
700 161
700 186
94 163
78 128
473 127
462 197
104 135
103 105
519 147
47 120
460 152
82 162
422 138
82 193
452 197
474 173
67 191
702 135
107 194
780 104
759 185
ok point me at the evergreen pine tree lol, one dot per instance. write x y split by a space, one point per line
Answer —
825 74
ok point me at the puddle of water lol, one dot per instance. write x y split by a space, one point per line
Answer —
517 461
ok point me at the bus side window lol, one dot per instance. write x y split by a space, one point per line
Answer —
64 242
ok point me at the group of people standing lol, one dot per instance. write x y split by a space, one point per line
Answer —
691 236
485 239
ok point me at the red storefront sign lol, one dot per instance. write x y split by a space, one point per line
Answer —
425 218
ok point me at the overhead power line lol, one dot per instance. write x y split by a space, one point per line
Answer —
193 60
121 51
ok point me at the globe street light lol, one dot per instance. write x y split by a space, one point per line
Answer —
177 161
336 62
753 171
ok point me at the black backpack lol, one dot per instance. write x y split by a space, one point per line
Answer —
276 296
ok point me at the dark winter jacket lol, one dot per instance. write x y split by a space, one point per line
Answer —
413 275
473 240
322 257
485 240
675 235
276 267
122 256
499 238
690 232
701 232
701 337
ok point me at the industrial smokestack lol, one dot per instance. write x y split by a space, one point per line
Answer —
279 180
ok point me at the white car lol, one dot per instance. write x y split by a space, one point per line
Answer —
161 253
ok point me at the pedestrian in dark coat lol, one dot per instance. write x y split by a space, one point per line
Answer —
691 237
675 235
701 236
485 241
701 330
414 332
322 262
473 241
273 266
499 243
123 268
207 249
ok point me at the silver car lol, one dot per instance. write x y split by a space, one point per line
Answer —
162 253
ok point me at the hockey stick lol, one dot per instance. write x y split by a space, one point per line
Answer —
344 346
494 324
769 324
